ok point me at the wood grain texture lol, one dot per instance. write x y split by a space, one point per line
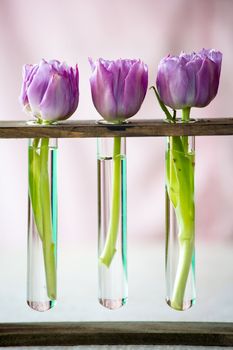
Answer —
134 128
116 333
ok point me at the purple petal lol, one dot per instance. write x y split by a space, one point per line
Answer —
192 69
74 84
216 57
179 87
102 91
38 86
207 83
119 69
28 73
92 63
55 104
135 88
114 67
172 82
187 56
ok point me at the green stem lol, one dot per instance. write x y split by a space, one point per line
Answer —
48 244
183 268
185 118
110 245
34 185
180 186
186 114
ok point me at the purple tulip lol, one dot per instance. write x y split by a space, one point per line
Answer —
118 87
189 80
50 90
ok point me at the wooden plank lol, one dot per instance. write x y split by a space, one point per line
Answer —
134 128
116 333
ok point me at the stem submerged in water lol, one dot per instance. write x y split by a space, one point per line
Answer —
39 191
34 185
180 187
110 245
48 244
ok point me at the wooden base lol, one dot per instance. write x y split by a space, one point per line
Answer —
116 333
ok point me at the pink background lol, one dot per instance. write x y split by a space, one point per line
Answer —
148 29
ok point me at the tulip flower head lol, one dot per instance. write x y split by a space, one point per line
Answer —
189 80
118 87
50 90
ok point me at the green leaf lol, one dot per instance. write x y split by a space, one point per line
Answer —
162 105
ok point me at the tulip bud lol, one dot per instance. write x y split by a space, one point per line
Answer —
50 90
118 87
189 80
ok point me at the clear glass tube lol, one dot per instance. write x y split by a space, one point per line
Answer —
112 227
180 223
42 224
